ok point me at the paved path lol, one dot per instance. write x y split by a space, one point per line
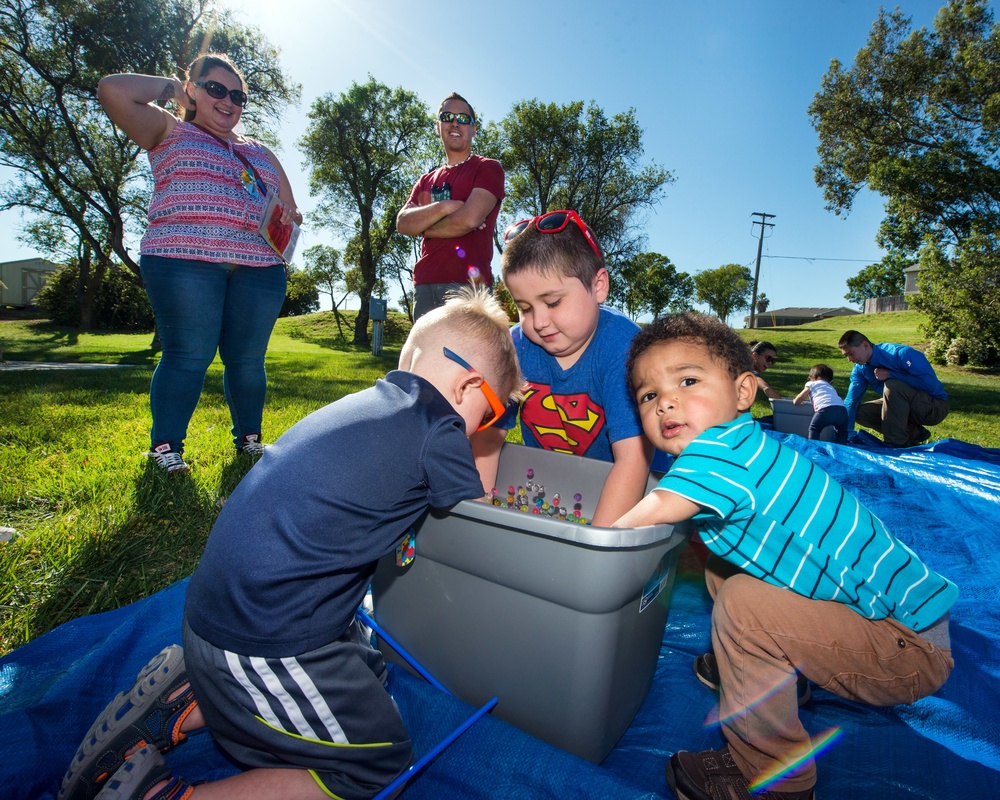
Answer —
29 365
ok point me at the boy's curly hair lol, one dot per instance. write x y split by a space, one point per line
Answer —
723 343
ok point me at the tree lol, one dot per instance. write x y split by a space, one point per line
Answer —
725 290
80 177
961 296
650 283
301 296
362 148
917 120
762 303
569 156
884 279
665 288
323 266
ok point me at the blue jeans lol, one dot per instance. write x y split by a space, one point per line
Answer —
834 416
201 308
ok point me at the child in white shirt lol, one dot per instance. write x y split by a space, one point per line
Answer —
828 407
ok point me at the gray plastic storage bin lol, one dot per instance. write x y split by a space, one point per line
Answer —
790 418
561 621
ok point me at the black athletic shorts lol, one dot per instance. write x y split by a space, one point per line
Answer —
326 711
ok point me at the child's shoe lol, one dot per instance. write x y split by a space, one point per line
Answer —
140 717
141 773
713 775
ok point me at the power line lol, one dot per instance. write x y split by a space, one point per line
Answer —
813 258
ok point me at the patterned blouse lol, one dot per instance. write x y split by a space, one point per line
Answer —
204 206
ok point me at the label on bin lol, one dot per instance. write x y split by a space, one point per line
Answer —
656 583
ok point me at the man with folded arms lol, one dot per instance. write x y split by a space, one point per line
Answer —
454 209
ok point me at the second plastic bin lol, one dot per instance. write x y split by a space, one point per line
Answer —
561 621
790 418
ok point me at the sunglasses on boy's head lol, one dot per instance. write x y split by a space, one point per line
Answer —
496 407
553 222
218 91
461 119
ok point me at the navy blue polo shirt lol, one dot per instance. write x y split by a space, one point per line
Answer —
291 554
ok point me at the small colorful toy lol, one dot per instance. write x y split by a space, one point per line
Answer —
530 498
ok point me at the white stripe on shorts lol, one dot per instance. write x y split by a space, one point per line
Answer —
318 702
236 668
287 701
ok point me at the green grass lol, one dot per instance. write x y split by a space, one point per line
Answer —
97 528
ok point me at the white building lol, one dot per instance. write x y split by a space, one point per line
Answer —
21 280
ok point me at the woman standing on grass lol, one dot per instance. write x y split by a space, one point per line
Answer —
214 282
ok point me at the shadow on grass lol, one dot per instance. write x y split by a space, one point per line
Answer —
160 542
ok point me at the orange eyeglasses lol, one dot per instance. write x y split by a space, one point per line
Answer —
553 222
497 408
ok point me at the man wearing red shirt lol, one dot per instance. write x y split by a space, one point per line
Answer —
454 208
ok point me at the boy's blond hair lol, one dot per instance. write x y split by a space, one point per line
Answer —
474 325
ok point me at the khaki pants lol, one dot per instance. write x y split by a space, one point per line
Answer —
901 413
761 634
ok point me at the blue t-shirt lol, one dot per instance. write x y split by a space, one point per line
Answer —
779 517
291 554
905 363
582 410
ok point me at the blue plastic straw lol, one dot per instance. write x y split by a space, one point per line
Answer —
436 751
403 654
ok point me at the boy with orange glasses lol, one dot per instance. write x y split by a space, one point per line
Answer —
273 662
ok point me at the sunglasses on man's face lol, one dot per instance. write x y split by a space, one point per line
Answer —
450 116
218 91
496 407
553 222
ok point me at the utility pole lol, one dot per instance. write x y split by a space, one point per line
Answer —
763 222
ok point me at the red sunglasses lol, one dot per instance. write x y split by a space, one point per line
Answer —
496 407
553 222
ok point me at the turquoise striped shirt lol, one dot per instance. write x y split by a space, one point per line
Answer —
779 517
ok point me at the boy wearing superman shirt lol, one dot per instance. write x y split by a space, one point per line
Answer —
572 354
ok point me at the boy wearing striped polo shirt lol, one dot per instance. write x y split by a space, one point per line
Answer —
803 576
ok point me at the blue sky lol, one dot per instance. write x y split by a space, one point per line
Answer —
721 88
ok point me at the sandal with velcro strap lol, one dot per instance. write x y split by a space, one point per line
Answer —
140 717
144 769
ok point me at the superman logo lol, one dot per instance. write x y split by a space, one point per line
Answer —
565 423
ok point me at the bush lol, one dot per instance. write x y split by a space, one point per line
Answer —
957 353
121 302
937 349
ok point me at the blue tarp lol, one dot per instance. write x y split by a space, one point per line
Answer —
942 499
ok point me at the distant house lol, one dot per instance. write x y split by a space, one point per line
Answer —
910 273
21 280
780 317
896 302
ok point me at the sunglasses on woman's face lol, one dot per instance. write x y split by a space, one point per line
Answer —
553 222
218 91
